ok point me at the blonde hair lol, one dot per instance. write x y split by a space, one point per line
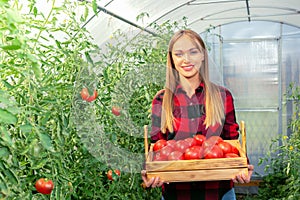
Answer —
214 106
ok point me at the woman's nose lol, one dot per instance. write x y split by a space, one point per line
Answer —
186 57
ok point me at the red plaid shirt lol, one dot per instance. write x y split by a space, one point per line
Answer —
190 115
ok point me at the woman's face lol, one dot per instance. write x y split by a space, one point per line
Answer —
187 57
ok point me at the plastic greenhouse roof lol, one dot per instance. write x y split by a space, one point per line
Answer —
200 14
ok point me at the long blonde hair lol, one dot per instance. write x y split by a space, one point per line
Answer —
214 106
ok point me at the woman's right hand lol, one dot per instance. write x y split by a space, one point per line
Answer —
152 182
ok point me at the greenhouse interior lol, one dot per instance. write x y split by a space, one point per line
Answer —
94 146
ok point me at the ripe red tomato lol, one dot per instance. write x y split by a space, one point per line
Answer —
191 141
235 150
93 97
194 152
171 143
226 147
176 155
85 95
199 139
213 152
44 186
231 155
181 145
158 157
165 151
113 175
116 111
159 144
211 141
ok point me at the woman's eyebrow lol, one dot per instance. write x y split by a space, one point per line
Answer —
194 48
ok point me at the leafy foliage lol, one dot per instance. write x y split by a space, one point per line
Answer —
283 180
47 130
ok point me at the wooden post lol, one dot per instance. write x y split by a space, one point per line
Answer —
243 132
146 141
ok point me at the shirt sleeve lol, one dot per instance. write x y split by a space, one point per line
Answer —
156 133
231 127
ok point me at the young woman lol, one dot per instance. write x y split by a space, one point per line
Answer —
190 104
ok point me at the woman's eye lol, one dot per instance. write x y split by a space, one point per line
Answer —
178 54
194 52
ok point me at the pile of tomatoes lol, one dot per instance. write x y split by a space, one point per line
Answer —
197 147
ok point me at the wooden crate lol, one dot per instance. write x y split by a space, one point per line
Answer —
198 170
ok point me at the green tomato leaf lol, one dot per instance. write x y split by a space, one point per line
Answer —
4 152
37 70
46 141
11 176
95 6
7 117
40 164
26 128
5 136
14 16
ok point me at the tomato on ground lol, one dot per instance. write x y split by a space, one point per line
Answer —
44 186
112 175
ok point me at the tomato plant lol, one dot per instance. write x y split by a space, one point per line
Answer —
112 175
44 186
159 144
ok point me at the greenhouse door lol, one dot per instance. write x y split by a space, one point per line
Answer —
251 72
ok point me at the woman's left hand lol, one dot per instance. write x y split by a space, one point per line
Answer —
242 178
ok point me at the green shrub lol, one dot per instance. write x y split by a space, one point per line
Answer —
47 130
283 164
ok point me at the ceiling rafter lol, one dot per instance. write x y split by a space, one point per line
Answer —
248 10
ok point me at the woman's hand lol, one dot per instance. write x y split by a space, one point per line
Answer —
153 182
242 178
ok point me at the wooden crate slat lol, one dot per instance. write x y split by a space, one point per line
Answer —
196 164
198 175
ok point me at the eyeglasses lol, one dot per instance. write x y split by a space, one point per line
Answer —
191 53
